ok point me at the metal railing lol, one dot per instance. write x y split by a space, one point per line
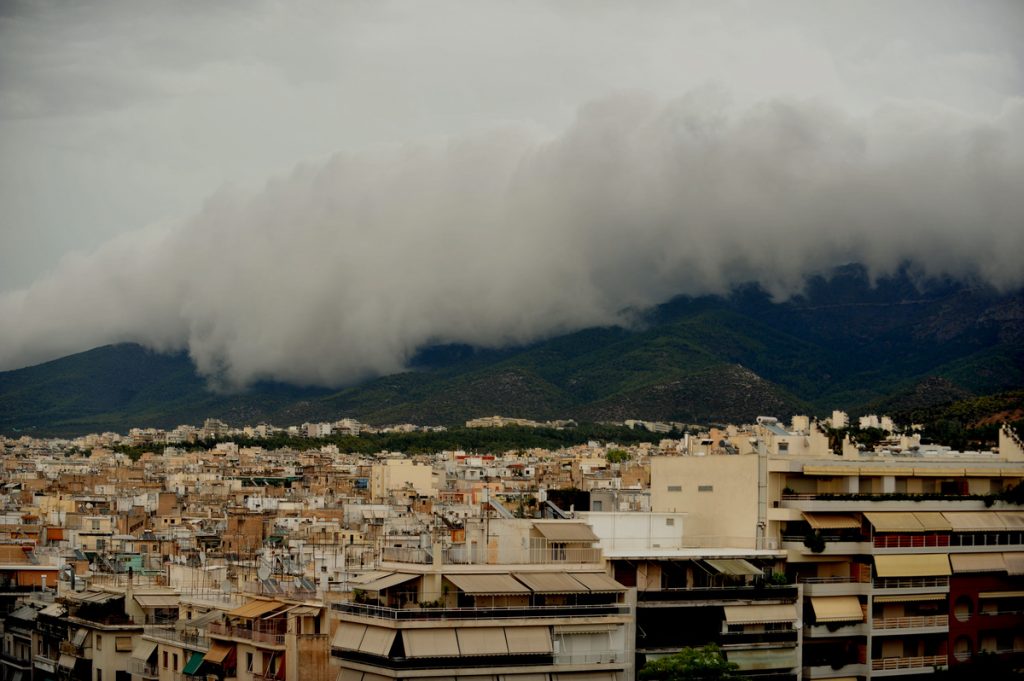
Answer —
987 539
274 637
835 580
143 669
910 541
909 662
910 622
381 612
189 638
910 582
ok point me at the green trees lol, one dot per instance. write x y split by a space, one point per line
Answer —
692 664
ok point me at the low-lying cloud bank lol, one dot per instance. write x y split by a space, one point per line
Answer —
343 269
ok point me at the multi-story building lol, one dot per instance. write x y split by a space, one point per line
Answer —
887 545
532 601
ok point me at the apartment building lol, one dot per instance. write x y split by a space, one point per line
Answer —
907 559
532 603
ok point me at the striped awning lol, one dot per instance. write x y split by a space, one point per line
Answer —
913 565
894 522
910 598
1014 563
977 562
736 567
837 609
760 614
832 521
1001 594
387 582
933 522
975 521
487 585
255 608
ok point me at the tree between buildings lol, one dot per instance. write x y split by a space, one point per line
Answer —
692 664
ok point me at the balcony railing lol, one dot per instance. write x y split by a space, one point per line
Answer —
865 579
910 541
910 622
715 593
192 639
272 637
459 555
909 662
381 612
143 669
987 539
911 582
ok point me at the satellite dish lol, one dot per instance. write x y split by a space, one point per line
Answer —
263 572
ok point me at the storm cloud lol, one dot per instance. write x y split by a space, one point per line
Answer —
341 269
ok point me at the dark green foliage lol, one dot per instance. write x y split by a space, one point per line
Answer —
617 455
692 664
814 541
843 344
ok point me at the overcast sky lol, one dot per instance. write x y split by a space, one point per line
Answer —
366 177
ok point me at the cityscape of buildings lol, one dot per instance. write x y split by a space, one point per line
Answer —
800 557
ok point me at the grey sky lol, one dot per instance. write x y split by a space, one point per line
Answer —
117 117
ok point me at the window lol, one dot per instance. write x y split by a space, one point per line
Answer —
670 521
675 488
165 659
175 658
99 642
123 644
248 662
705 488
99 675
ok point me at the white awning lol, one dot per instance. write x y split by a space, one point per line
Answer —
143 650
760 614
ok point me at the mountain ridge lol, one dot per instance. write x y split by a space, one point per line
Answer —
845 342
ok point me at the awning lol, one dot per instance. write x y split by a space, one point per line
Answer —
894 522
933 522
482 641
347 674
200 621
377 641
830 470
1001 594
66 661
348 635
564 531
193 664
528 640
1014 563
832 521
837 609
974 521
158 600
585 676
551 583
910 598
218 652
598 582
81 634
369 576
388 582
913 565
487 585
734 567
255 609
1013 520
885 470
977 562
94 597
981 472
143 650
760 614
430 643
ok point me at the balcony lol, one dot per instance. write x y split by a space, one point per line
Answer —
143 669
538 553
699 596
836 586
899 664
834 546
855 669
897 501
47 664
531 612
265 637
937 624
916 583
186 639
838 630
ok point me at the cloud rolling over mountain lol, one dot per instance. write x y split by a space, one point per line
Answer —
342 269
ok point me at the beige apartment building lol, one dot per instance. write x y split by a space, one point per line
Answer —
907 561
